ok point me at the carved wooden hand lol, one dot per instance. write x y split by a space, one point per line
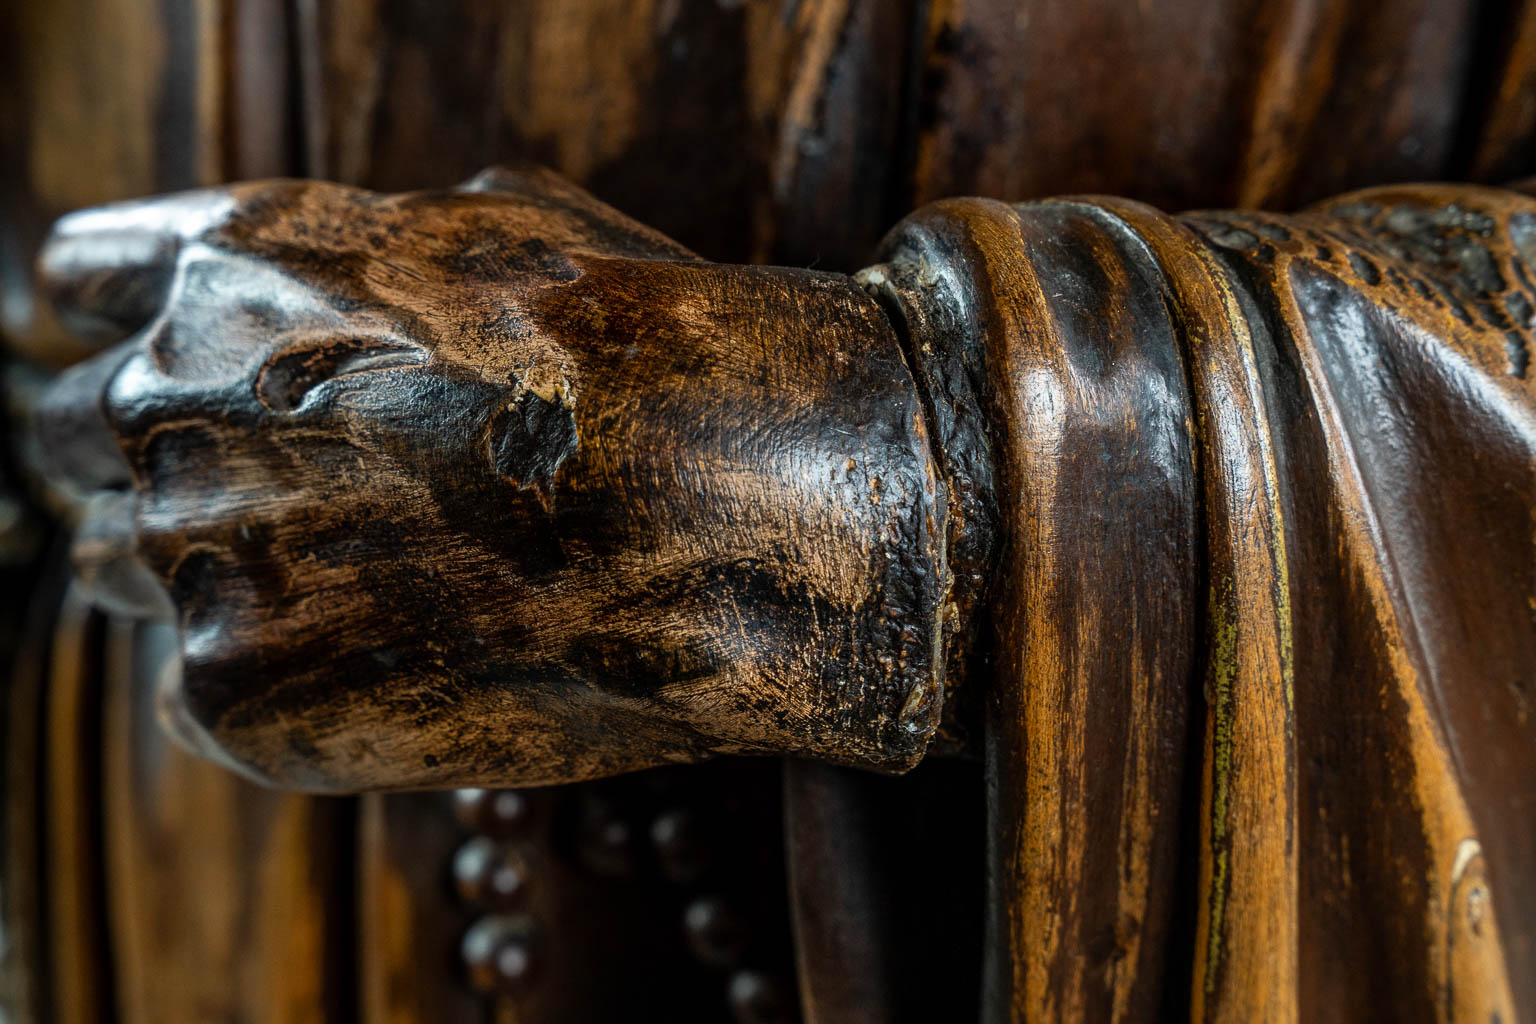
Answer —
493 485
1214 532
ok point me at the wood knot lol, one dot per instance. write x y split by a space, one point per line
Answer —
531 435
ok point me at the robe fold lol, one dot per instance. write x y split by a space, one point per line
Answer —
1261 625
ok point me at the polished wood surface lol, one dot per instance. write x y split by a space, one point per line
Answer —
1287 455
267 943
704 531
1066 347
1356 432
72 845
786 132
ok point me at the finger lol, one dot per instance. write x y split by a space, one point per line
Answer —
77 452
521 179
107 564
107 269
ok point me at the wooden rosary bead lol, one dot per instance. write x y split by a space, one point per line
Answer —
680 852
490 875
492 812
756 998
1221 520
716 934
498 955
604 840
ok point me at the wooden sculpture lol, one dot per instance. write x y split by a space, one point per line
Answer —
1213 535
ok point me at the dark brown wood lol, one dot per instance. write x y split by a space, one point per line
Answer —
22 907
1359 408
873 944
793 132
1073 358
101 102
1506 139
105 101
499 347
409 927
1221 493
1248 103
842 927
748 130
236 892
72 841
25 635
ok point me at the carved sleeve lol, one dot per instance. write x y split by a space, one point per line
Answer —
1212 534
1260 631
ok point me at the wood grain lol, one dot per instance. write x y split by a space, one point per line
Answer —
409 924
1245 103
226 901
1439 701
772 583
1359 410
748 130
795 132
1199 508
1246 939
1092 595
79 972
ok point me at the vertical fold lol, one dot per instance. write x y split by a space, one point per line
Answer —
1060 310
1247 925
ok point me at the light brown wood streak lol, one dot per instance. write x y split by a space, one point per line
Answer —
797 115
1302 44
225 888
1401 745
1087 699
1336 358
406 918
1437 672
78 977
1246 934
